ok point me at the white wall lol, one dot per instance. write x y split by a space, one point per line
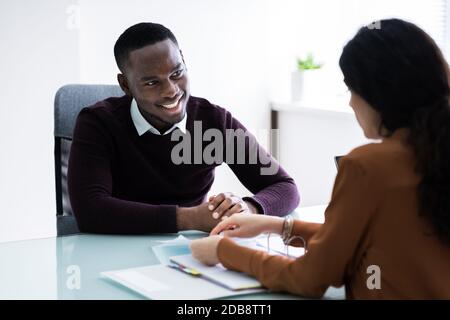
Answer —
49 43
300 27
239 54
309 141
323 27
39 54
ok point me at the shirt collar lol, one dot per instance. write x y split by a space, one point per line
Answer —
142 125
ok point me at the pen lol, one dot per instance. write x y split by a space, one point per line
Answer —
192 272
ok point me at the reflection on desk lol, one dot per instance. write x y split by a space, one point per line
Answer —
311 213
69 267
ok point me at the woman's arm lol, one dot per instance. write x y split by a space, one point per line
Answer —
330 257
304 229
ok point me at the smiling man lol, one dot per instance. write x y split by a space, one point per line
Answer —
122 176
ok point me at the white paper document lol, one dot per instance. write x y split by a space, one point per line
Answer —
170 248
218 274
180 276
180 240
161 282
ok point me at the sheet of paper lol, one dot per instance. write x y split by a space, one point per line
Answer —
164 252
170 248
164 283
178 240
218 274
180 246
139 278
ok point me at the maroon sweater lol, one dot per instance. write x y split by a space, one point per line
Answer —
120 182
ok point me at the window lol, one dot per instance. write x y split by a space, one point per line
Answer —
430 15
323 27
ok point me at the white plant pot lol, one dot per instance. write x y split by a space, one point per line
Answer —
305 84
297 85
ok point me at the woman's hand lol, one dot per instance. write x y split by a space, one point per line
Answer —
205 249
244 225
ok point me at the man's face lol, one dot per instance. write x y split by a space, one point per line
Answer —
156 77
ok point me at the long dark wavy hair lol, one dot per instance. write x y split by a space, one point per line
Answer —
400 71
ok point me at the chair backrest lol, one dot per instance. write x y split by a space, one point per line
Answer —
69 100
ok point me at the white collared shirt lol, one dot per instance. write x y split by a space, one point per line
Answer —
142 125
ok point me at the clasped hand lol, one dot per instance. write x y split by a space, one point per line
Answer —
226 204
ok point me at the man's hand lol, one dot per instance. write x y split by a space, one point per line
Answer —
195 218
226 204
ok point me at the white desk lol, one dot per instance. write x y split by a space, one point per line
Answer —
311 213
41 269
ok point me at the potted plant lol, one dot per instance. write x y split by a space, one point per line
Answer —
304 78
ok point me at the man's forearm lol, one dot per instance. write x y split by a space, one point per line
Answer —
279 199
106 214
195 218
185 218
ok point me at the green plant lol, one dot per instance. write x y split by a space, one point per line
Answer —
308 63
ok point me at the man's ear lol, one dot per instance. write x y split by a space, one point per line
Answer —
124 84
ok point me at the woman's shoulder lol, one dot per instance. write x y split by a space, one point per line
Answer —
389 158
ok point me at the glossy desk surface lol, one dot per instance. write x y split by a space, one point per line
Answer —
42 268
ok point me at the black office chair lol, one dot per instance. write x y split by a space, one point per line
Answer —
69 100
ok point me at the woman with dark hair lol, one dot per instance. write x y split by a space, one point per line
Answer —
387 228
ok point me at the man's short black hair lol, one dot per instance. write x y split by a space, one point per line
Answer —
139 36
